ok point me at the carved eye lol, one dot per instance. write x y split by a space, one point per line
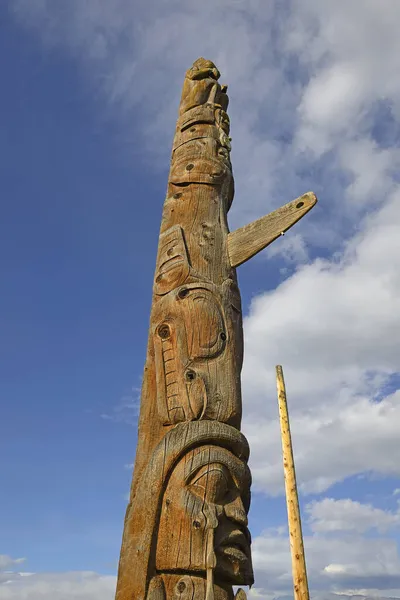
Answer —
211 484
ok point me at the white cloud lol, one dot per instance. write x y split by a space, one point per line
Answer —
63 586
352 56
333 563
6 564
6 561
330 516
334 327
363 594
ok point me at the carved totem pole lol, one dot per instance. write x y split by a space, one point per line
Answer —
185 534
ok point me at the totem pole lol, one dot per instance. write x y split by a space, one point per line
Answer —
185 533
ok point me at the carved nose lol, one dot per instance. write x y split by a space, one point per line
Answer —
235 512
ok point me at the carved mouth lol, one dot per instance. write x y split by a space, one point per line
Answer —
235 545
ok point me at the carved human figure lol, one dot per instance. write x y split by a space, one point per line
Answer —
208 495
187 515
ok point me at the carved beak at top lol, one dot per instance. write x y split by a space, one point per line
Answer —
202 68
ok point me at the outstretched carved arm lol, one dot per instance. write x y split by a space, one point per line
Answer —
250 239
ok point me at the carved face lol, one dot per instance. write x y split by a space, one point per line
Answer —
203 68
204 511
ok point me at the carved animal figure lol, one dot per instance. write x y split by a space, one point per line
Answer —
185 534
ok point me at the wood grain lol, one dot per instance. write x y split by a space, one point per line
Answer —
299 570
185 531
250 239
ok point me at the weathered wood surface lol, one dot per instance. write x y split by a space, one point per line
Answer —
250 239
185 533
299 570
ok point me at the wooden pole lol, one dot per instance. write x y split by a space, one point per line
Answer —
185 537
299 570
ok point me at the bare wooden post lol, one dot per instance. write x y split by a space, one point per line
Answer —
185 534
295 533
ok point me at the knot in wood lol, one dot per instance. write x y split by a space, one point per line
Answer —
164 331
181 587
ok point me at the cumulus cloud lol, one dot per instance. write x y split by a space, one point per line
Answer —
330 515
333 563
63 586
334 327
6 565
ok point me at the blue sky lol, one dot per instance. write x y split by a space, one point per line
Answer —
88 108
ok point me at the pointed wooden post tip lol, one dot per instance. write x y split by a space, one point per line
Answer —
299 570
279 378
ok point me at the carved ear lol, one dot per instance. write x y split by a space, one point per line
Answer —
250 239
156 589
240 595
